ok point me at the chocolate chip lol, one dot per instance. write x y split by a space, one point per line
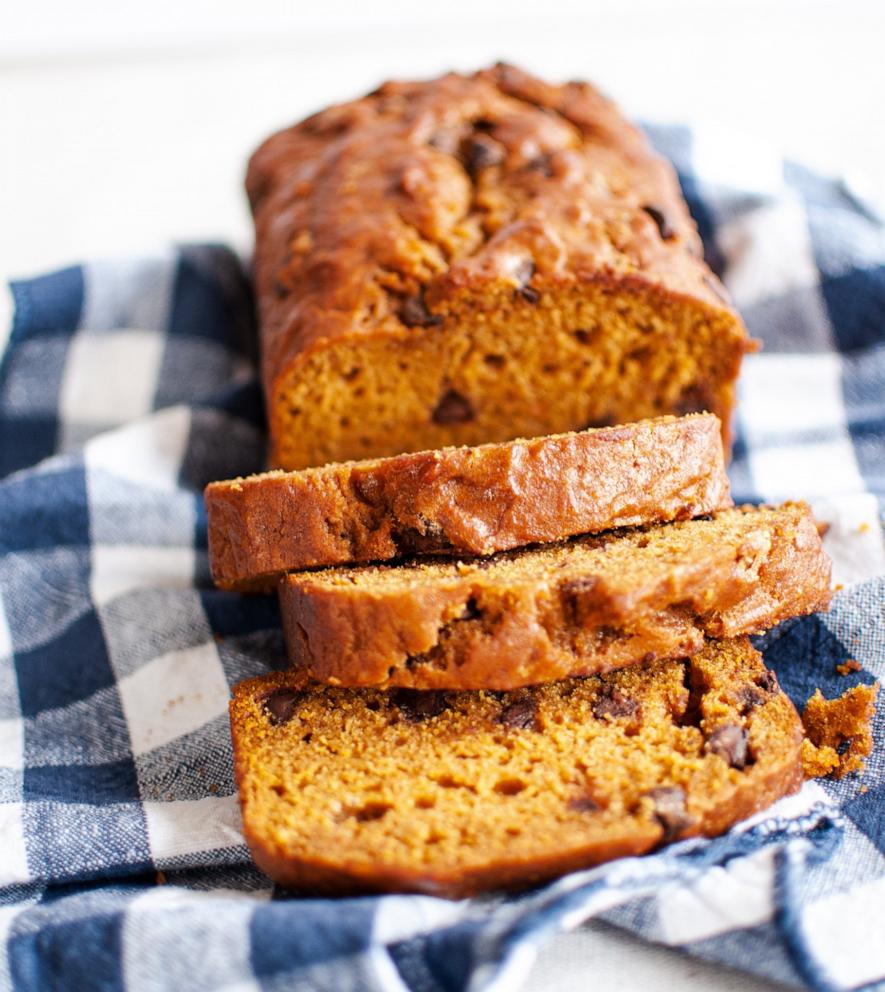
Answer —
659 217
483 124
471 610
695 681
542 164
606 634
730 742
370 812
583 804
749 698
414 313
613 703
573 593
529 294
607 420
524 272
482 152
281 704
411 541
453 408
767 682
417 705
669 810
521 713
446 141
366 487
415 661
694 399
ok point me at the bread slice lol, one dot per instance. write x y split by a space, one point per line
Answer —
588 605
472 259
347 790
465 500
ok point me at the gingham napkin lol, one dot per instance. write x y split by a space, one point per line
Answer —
126 386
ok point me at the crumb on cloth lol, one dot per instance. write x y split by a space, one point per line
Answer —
838 736
848 666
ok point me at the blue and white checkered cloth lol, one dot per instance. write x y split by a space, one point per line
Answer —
126 386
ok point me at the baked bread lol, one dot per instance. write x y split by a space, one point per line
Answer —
450 793
588 605
474 259
839 732
465 500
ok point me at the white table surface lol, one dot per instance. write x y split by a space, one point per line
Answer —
127 125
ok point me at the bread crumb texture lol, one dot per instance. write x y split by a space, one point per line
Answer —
451 793
838 731
577 608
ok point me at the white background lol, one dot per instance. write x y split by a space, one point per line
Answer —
126 125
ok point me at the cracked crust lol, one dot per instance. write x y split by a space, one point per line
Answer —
349 790
473 259
589 605
465 500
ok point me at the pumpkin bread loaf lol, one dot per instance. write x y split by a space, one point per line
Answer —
588 605
465 500
474 259
348 790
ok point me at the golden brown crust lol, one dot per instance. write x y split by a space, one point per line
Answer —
377 219
347 790
585 606
465 500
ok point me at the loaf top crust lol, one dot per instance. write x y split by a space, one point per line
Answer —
452 793
374 216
